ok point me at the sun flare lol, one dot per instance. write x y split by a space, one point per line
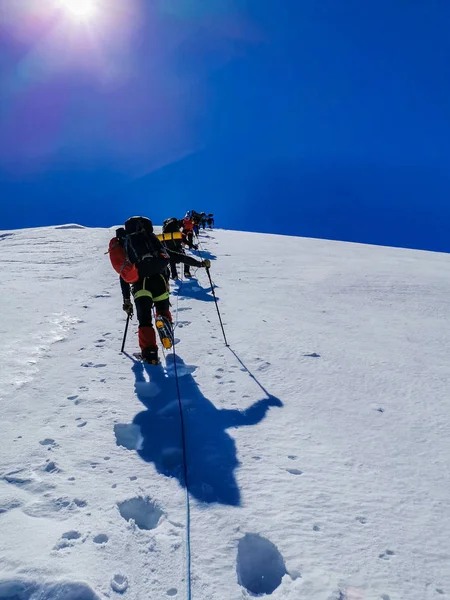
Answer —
80 9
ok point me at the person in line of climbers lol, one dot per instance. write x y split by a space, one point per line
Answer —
188 232
141 261
196 217
173 225
210 220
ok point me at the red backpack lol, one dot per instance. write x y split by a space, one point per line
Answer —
120 262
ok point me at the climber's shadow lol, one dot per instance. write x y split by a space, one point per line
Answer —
210 452
191 288
207 254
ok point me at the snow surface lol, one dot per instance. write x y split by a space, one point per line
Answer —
317 443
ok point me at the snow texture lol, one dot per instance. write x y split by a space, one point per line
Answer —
317 443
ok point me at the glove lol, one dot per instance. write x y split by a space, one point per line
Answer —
206 263
128 307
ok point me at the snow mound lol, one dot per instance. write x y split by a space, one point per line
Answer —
70 226
119 583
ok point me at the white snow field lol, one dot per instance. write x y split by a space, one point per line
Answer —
317 443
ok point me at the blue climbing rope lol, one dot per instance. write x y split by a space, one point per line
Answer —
185 472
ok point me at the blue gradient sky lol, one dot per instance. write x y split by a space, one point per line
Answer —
317 118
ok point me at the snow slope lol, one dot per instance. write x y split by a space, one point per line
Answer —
317 444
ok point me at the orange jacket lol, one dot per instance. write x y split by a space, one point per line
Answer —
188 224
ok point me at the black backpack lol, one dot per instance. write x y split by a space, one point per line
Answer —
143 247
171 225
196 217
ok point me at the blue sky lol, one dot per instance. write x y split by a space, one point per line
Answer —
315 118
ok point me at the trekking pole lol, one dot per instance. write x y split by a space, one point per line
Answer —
125 332
217 306
215 299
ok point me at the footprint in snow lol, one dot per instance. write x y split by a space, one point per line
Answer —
7 505
263 367
260 565
180 369
48 442
294 471
145 513
91 364
386 554
51 467
183 323
71 535
55 508
313 355
361 520
26 589
128 436
101 538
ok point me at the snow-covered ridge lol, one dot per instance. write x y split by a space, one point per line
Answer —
317 444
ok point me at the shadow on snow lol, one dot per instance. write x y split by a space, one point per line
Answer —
210 451
203 253
192 289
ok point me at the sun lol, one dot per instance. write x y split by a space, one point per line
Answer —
80 9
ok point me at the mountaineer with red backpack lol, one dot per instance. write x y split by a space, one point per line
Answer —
142 263
188 231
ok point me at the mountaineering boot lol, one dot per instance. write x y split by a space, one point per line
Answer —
164 328
150 355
